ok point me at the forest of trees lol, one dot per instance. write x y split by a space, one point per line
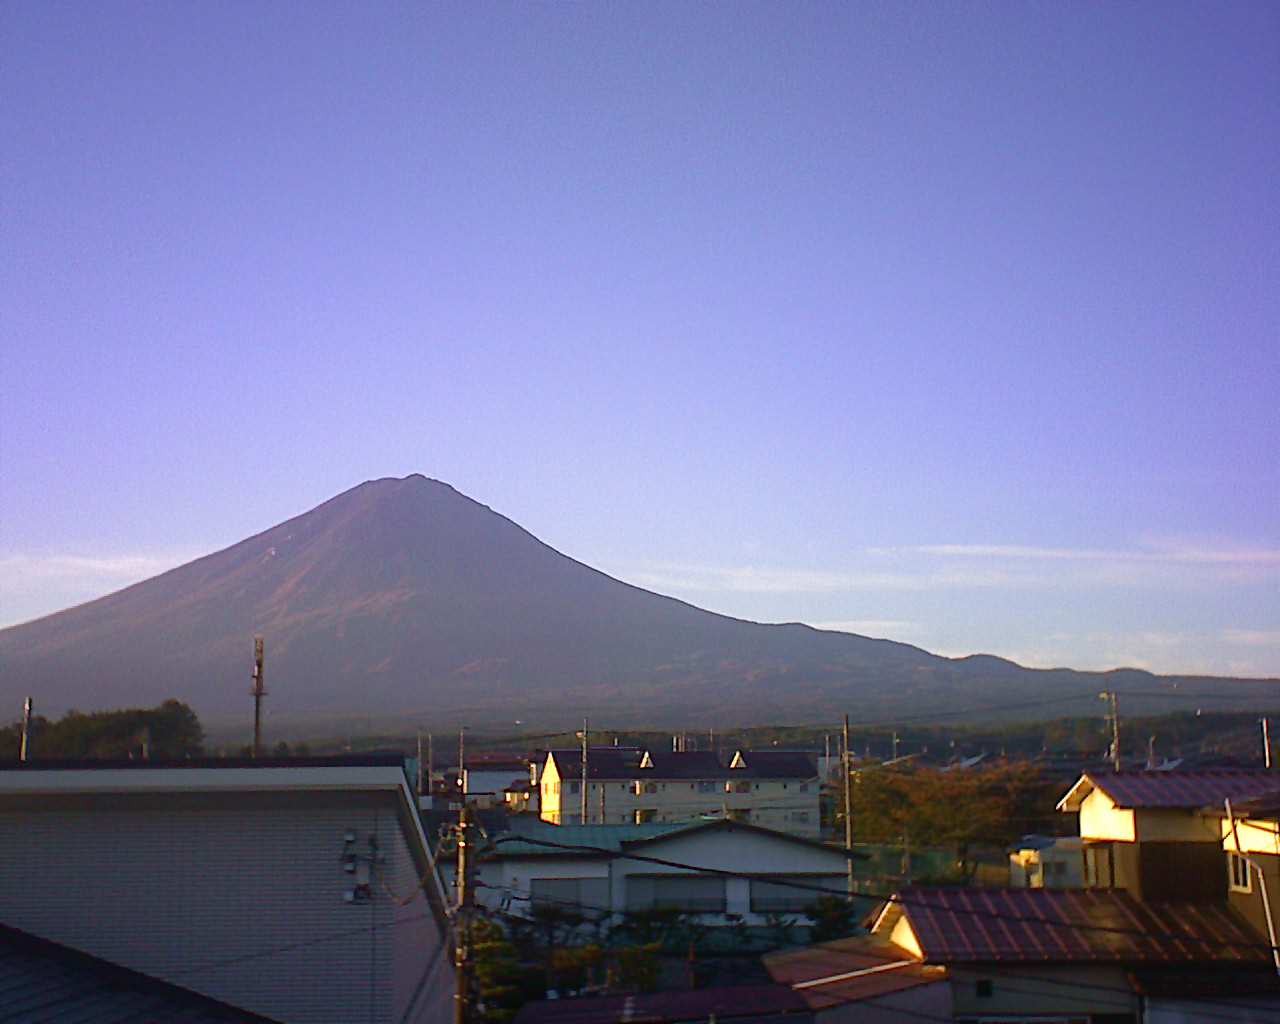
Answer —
171 730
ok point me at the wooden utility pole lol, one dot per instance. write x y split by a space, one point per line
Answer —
418 788
25 748
1110 696
848 805
582 817
259 691
1266 744
462 936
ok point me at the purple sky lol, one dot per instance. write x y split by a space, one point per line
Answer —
953 323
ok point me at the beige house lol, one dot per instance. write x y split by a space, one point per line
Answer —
773 789
1158 835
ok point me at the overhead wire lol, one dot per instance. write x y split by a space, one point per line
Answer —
887 897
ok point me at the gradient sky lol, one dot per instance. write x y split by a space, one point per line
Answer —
953 323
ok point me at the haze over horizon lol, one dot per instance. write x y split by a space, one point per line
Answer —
960 330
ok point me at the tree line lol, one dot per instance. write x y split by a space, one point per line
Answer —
171 730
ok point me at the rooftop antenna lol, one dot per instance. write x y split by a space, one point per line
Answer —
1114 716
25 747
259 691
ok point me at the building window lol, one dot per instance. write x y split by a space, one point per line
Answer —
983 988
1238 869
779 897
706 787
700 894
570 893
575 787
645 816
804 787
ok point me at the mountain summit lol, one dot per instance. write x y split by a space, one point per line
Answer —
406 596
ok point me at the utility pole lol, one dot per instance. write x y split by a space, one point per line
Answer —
462 764
1266 743
431 767
418 788
1110 696
848 806
25 748
582 817
259 691
895 744
462 936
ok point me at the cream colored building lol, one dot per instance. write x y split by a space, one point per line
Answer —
625 785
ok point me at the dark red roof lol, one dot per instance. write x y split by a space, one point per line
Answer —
744 1004
1073 926
1180 790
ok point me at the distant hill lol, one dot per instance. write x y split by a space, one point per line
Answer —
407 597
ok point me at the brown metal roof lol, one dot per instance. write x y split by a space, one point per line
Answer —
1073 926
1179 790
849 971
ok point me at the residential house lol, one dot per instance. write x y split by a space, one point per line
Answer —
723 871
1090 956
1047 862
626 785
301 890
1148 833
1251 841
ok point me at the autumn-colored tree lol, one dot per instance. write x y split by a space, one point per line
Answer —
961 810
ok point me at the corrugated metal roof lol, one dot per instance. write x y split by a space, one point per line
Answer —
42 982
745 1004
849 971
1175 790
1073 926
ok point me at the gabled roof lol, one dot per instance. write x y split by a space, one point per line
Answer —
1072 926
536 838
775 764
689 764
1168 790
43 982
598 840
602 762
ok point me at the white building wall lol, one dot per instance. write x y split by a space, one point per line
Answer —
237 896
741 851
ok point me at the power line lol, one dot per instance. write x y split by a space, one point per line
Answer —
886 897
985 969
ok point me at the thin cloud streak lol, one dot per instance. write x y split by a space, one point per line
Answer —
1173 555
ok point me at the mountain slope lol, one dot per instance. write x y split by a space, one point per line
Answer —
407 596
